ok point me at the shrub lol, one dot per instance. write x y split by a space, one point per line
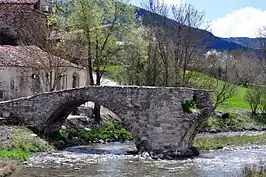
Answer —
253 96
107 131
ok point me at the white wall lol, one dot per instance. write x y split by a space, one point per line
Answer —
19 82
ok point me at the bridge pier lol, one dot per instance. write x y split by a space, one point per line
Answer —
160 119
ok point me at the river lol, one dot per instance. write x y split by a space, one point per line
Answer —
112 160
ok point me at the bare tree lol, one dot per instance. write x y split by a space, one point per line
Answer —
220 66
174 39
262 57
246 67
186 44
50 69
158 37
253 96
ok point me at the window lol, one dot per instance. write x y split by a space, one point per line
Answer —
12 83
1 94
34 76
75 80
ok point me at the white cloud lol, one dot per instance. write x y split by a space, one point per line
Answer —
172 2
244 22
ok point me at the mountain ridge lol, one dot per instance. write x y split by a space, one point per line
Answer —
211 41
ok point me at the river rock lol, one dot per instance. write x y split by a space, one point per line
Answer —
223 115
106 114
84 119
85 111
101 141
76 122
4 133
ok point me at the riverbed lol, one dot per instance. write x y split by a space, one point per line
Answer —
113 160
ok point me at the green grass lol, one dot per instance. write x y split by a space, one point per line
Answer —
14 154
21 144
220 142
237 101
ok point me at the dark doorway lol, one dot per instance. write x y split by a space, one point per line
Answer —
75 80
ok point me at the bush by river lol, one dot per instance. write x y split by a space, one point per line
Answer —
106 132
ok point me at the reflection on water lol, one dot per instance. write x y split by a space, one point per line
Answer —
111 160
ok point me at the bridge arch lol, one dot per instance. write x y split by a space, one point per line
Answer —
62 109
154 115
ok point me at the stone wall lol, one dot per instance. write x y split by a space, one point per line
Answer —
154 115
29 25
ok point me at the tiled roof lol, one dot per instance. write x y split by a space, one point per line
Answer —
30 56
18 1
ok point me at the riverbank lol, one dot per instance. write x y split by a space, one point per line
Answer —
17 144
20 143
255 171
112 159
228 120
219 142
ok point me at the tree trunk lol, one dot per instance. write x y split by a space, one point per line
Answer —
97 113
97 107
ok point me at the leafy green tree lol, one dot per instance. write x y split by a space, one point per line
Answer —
135 57
100 25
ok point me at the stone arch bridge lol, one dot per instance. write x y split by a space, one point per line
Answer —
154 115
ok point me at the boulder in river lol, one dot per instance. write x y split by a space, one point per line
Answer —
84 120
4 133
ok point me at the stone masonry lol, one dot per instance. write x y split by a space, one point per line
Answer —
154 115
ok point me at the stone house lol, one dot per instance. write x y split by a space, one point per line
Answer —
27 70
26 20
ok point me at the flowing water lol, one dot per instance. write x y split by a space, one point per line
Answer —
112 160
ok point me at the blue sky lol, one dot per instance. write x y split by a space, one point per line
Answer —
229 18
